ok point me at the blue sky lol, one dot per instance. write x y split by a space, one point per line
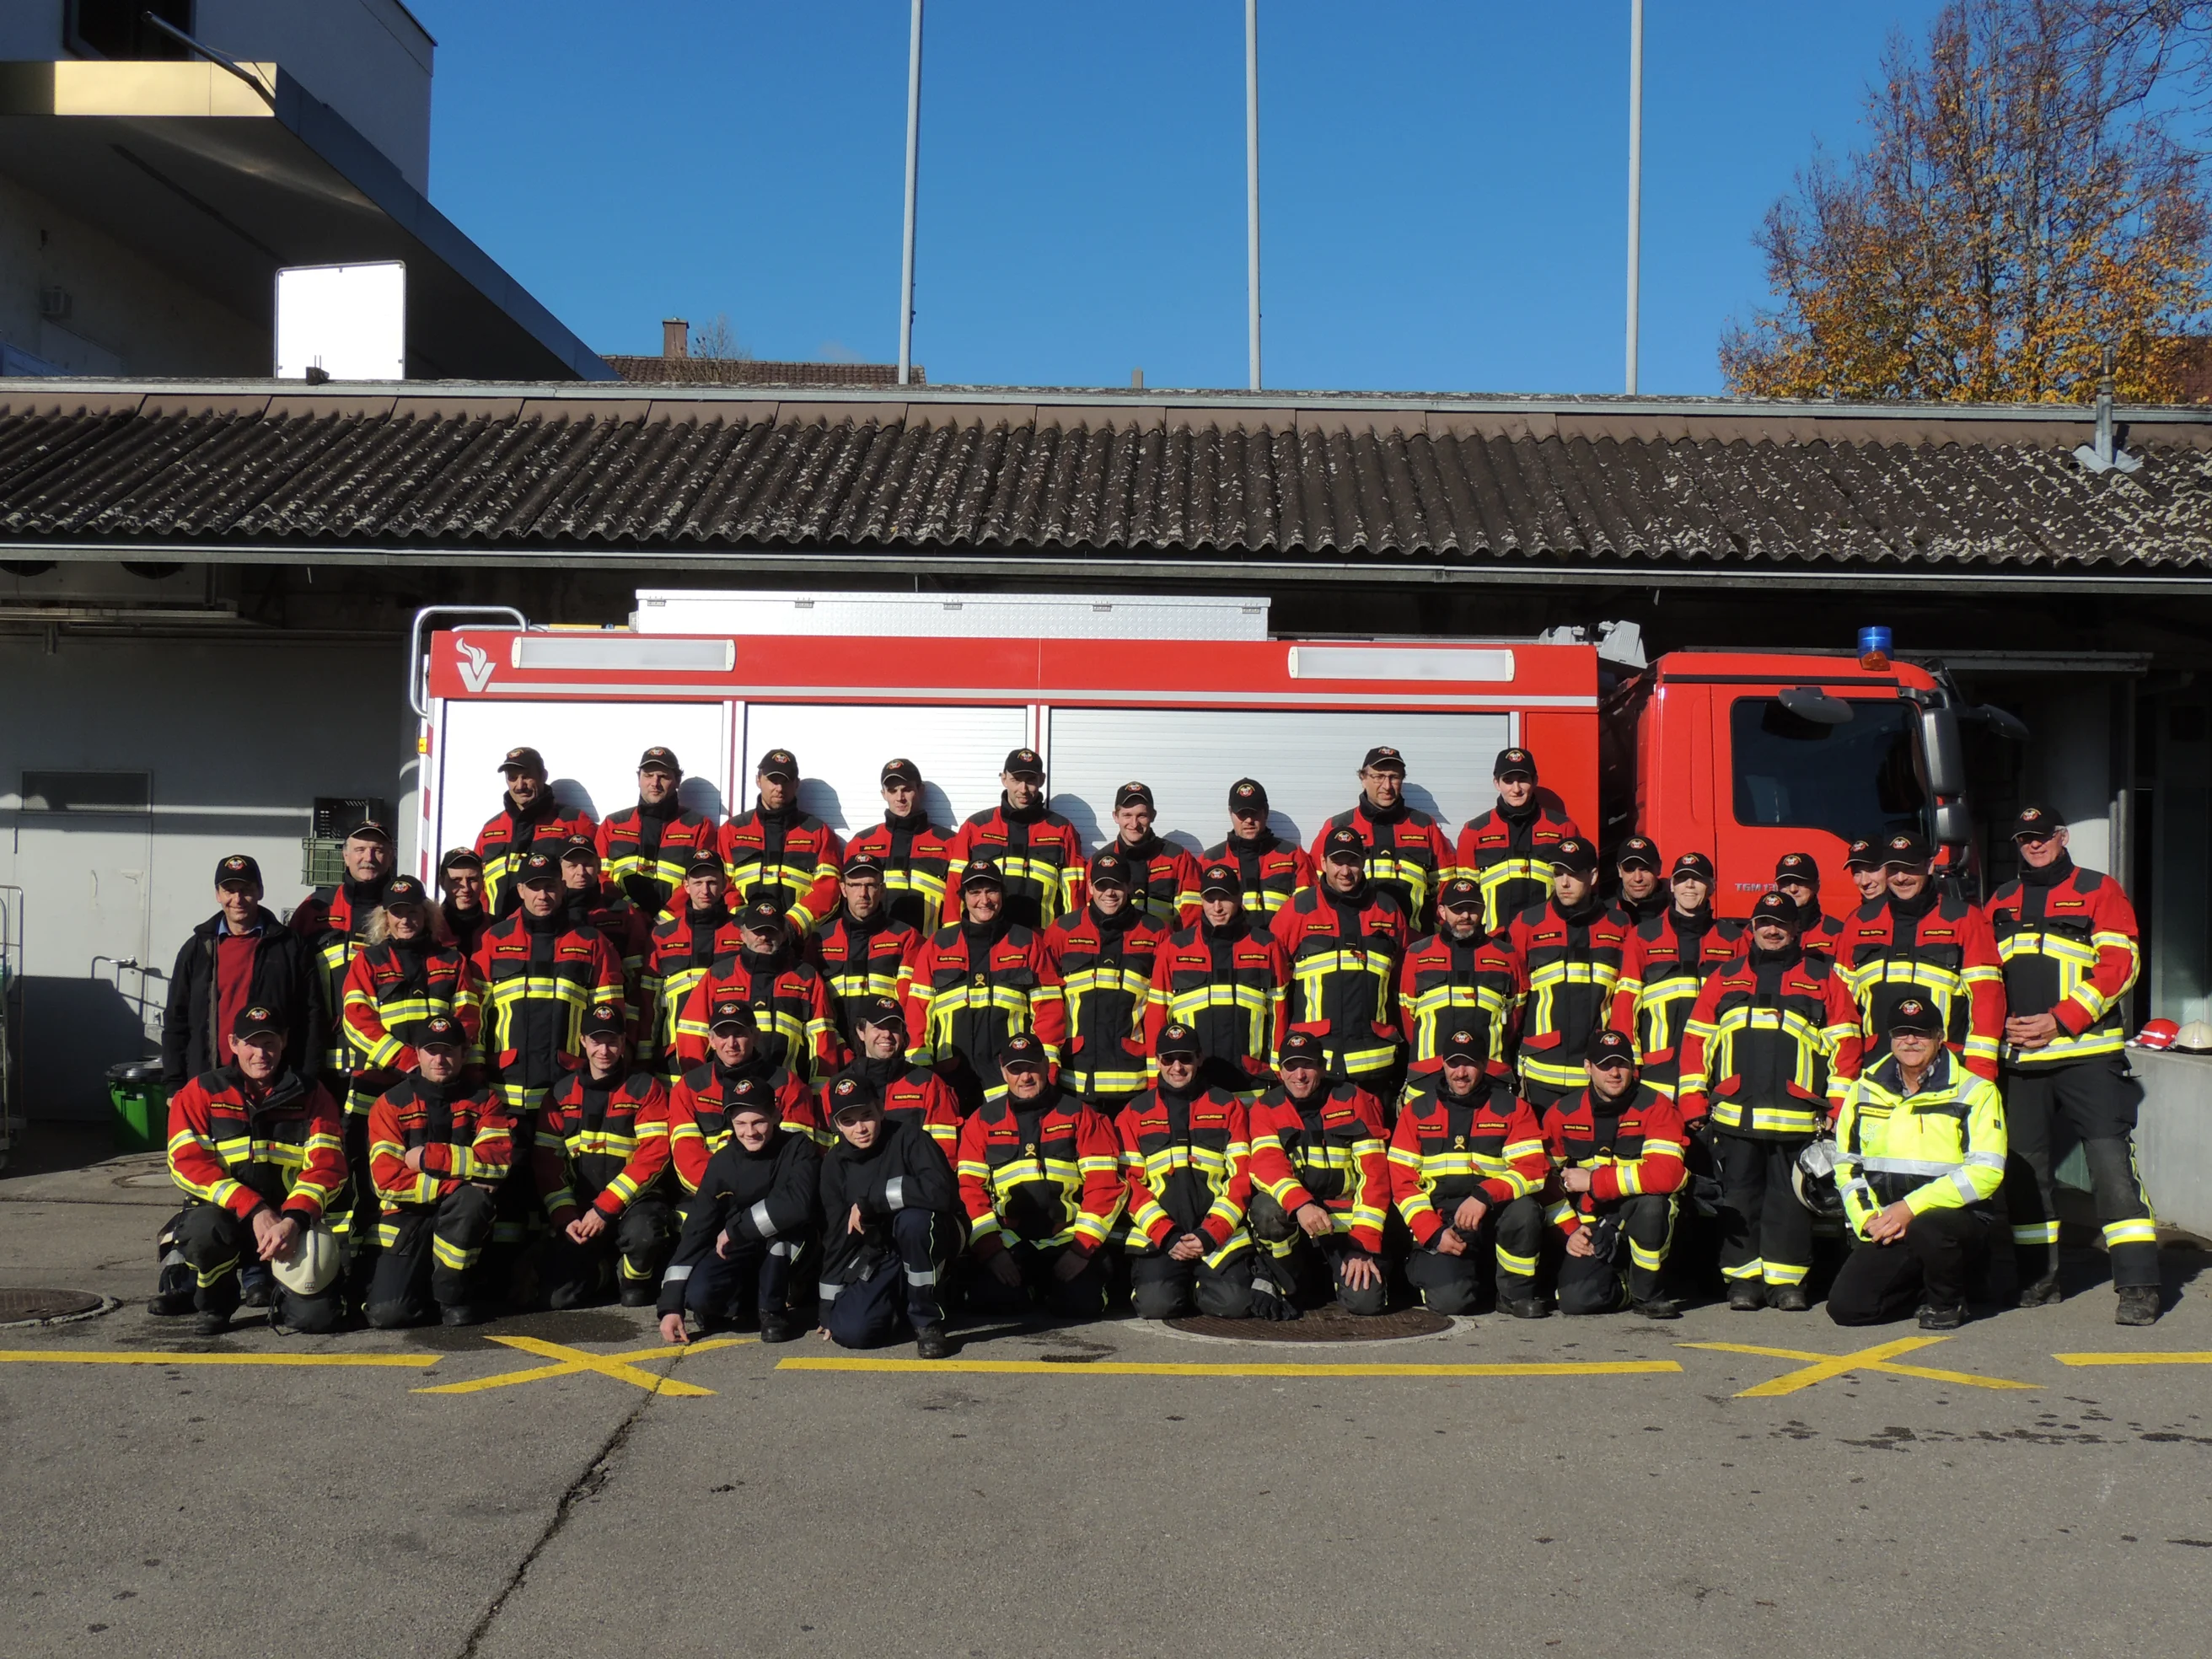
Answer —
1443 185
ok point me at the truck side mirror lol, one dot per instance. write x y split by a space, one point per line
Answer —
1955 825
2002 722
1943 754
1810 703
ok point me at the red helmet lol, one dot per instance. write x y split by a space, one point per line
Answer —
2157 1034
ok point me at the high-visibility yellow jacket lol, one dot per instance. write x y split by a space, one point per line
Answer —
1940 1147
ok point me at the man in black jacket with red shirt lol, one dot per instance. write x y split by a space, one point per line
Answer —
240 958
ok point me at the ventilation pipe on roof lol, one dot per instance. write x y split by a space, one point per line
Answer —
2104 455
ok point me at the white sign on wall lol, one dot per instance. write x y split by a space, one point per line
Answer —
347 322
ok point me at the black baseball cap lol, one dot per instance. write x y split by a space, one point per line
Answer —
1024 763
580 847
1779 907
1383 758
1575 855
1513 764
1905 851
1460 893
538 867
2036 824
703 858
239 869
524 759
606 1020
657 759
878 1011
731 1014
1110 870
1798 867
1466 1045
403 889
254 1020
851 1094
1176 1038
1021 1049
1219 879
1344 842
1249 795
864 866
1610 1048
369 829
1915 1014
762 915
442 1031
1133 791
1693 863
751 1094
1862 855
901 770
1640 850
983 872
779 763
460 858
1301 1048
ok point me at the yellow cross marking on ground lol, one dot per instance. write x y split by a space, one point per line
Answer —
2133 1359
1128 1368
154 1357
575 1362
1825 1367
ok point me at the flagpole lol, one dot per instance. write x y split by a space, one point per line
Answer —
913 159
1251 182
1635 177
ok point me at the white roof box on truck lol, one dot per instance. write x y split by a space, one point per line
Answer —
950 616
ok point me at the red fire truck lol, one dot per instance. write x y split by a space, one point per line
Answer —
1741 755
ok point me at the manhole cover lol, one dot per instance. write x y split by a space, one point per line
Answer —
20 1307
145 1180
1329 1324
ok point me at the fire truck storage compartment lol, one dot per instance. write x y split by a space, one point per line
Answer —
842 748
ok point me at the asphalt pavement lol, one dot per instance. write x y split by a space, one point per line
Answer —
1609 1488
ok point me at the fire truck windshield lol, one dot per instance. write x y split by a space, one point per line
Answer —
1856 778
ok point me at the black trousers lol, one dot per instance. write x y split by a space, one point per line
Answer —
1083 1296
2047 1110
428 1254
898 1292
1510 1234
1163 1288
214 1242
354 1217
1308 1271
1767 1235
1627 1269
1941 1249
719 1288
635 1245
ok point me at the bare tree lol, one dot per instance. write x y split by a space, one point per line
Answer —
717 340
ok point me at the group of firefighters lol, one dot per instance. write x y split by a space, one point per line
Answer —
748 1072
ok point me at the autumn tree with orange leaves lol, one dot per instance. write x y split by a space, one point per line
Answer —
2022 205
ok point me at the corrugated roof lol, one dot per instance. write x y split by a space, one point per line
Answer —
1445 482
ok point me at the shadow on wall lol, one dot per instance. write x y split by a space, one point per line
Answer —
73 1031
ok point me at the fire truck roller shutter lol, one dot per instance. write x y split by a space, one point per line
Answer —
1307 759
591 749
841 749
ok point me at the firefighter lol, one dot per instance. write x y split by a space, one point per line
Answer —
258 1151
1321 1188
1406 853
749 1221
1862 864
1186 1151
789 1002
2068 940
440 1144
1798 879
1919 938
1345 938
1920 1150
1675 953
1455 973
910 1093
1037 856
1636 867
602 1152
591 901
1229 981
242 956
1771 1043
697 930
704 1101
1464 1150
647 849
1039 1174
863 951
913 853
1507 851
777 851
1163 880
1104 955
528 815
1269 867
979 983
460 876
1575 948
890 1227
334 921
1617 1148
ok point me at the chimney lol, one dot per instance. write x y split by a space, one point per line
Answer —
675 337
1137 379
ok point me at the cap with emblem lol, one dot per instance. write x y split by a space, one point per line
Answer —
369 829
704 860
731 1014
1176 1041
1249 795
579 849
853 1094
1862 855
525 760
1021 1049
864 866
657 759
1301 1048
1777 908
1612 1049
1110 870
762 915
1383 758
1915 1014
983 872
1513 764
1460 893
1639 851
1798 867
1575 855
1024 763
780 764
1344 845
1132 792
878 1011
1905 851
1219 881
604 1020
460 858
403 889
238 870
1694 865
901 770
538 870
253 1021
750 1097
1463 1046
442 1031
2036 824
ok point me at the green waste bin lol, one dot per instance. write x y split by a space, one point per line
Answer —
141 1106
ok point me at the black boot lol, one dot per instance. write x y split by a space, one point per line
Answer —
2138 1305
1788 1298
1746 1296
1941 1317
2044 1292
1656 1307
929 1343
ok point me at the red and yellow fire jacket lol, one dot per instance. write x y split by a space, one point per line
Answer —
1630 1152
463 1133
1408 857
389 991
699 1113
509 837
1269 870
1652 999
601 1141
791 1011
1105 966
245 1147
792 858
1344 950
684 948
1770 1046
859 962
2068 940
1232 989
1328 1151
1046 1174
917 858
1446 1149
1510 858
1940 948
1188 1160
1573 963
970 991
909 1091
1443 979
645 853
1039 856
539 978
1163 882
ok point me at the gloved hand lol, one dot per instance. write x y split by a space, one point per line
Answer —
1269 1302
